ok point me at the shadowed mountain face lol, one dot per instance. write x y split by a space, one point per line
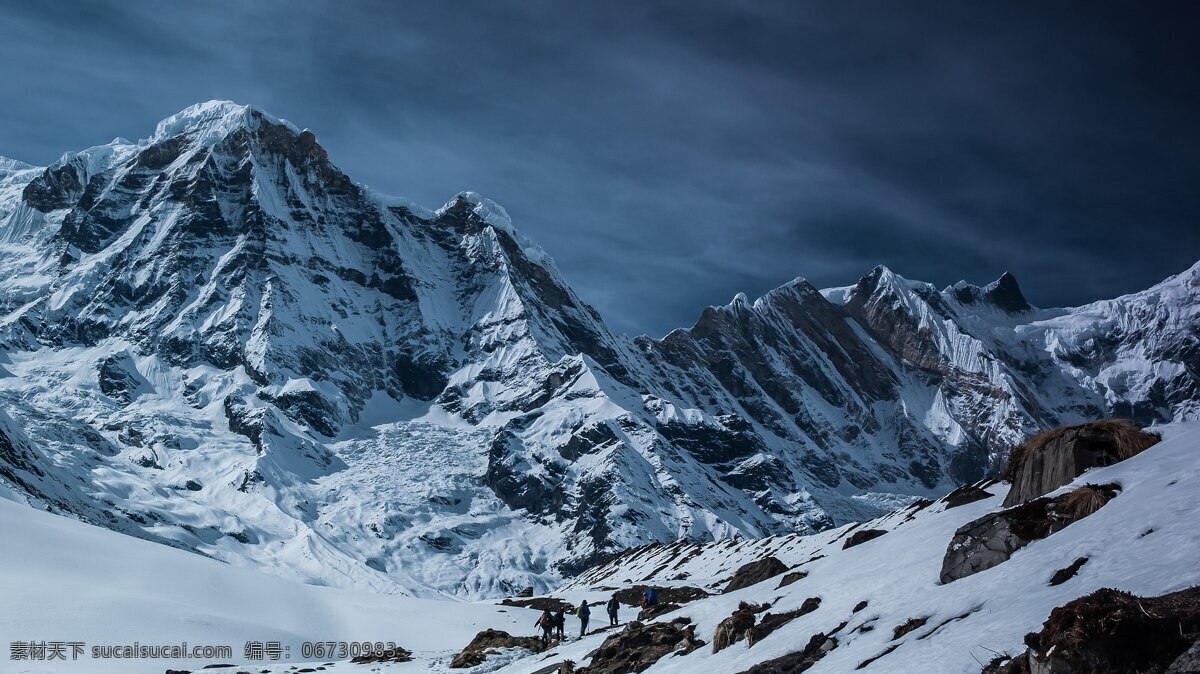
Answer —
216 339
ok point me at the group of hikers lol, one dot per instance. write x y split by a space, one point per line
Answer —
554 624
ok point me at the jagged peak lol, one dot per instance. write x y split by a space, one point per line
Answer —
497 217
211 121
881 279
485 209
1003 293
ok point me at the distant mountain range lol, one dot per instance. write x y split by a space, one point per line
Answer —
215 339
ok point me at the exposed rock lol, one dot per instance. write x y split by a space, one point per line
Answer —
859 606
993 538
964 494
862 536
1053 458
119 379
640 645
773 621
487 642
660 608
394 655
734 628
1111 632
1188 663
908 626
527 592
755 572
1063 575
632 596
792 577
792 663
551 604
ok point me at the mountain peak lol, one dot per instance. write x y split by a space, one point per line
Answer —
1003 293
213 120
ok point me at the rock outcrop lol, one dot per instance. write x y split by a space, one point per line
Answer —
990 540
678 594
640 645
489 642
1051 459
755 572
967 493
1112 632
818 647
862 536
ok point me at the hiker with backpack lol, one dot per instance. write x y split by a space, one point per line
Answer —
560 623
649 597
584 613
613 605
546 622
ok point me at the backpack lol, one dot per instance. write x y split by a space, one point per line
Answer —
583 611
651 596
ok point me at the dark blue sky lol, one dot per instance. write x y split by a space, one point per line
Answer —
671 154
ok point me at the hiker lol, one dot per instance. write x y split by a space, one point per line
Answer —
584 612
546 622
613 605
560 623
649 597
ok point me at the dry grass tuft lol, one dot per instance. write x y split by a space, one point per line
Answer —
1128 439
1085 500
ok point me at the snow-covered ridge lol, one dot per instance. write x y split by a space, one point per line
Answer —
216 340
211 121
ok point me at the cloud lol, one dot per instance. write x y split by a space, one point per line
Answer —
669 155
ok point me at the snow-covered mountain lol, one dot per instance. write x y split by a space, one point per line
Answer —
215 339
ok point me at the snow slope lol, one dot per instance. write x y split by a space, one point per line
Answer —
67 581
1144 541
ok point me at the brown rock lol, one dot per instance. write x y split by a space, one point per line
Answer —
990 540
639 646
1053 458
488 640
755 572
862 536
1110 631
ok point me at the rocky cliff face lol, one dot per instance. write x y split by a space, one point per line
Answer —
214 338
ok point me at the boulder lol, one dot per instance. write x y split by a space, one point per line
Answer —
632 596
661 608
773 621
792 577
967 493
393 655
734 628
551 604
862 536
1054 458
793 663
639 646
487 642
990 540
1067 573
1110 631
755 572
